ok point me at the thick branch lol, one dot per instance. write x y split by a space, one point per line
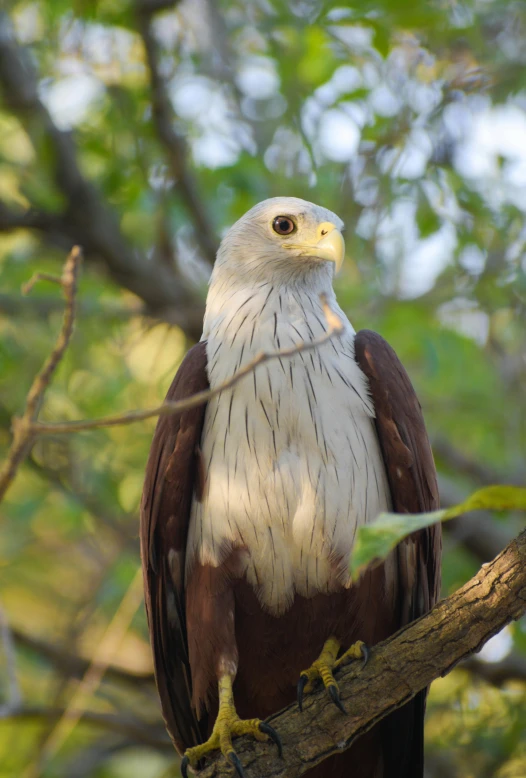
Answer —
138 731
398 669
40 308
460 464
174 145
75 665
31 219
511 668
12 687
154 6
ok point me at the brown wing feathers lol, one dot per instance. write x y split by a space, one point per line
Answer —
412 479
404 442
171 473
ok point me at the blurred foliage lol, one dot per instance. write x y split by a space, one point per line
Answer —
406 118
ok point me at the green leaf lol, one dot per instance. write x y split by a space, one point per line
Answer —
375 541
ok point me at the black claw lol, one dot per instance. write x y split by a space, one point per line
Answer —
302 683
184 766
234 760
334 694
273 735
366 653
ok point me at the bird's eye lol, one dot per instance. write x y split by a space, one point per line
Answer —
283 225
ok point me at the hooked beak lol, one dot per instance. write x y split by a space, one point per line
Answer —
330 247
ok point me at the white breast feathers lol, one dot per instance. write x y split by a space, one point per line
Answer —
291 457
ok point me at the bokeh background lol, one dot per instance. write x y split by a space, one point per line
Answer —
142 130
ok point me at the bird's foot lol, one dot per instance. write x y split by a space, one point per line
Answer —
227 726
323 668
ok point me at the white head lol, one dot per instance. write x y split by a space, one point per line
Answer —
281 240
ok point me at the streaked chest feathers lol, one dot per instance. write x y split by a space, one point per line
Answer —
290 453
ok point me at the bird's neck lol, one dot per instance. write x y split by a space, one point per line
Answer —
242 321
233 299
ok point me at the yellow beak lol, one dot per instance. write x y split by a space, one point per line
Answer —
331 245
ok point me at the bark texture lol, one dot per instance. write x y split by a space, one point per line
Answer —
397 670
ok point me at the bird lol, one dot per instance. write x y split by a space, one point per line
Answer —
252 501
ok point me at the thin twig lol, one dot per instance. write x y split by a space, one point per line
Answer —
28 286
335 327
24 427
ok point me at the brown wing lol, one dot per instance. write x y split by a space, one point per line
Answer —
171 479
413 483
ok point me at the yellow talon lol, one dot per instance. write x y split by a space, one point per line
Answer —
228 725
324 668
358 650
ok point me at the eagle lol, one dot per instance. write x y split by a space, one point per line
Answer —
252 502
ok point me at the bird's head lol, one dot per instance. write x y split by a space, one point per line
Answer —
283 238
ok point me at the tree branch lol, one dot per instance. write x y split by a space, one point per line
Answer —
511 668
174 145
75 665
13 695
154 6
335 327
459 463
30 219
40 308
137 730
23 426
398 669
87 220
